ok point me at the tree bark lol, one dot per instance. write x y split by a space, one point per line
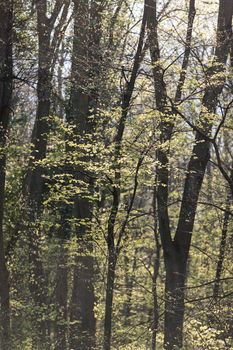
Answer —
176 251
129 284
155 320
112 259
34 182
223 243
83 105
6 73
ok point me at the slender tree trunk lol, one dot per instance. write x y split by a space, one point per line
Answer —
129 283
61 300
222 248
4 282
61 295
155 320
113 249
112 259
61 290
6 71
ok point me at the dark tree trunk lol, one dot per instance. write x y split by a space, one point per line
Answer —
82 304
174 301
6 72
155 319
83 103
222 249
129 284
48 34
62 274
34 181
61 295
111 272
114 249
176 251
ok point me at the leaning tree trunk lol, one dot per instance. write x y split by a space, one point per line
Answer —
6 71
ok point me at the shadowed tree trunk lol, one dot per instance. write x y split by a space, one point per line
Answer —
219 268
129 284
155 319
48 39
176 251
83 104
6 71
61 287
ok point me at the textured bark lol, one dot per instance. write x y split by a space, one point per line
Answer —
48 37
61 296
129 284
83 105
111 273
34 182
6 67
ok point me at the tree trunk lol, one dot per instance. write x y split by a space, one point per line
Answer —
34 182
222 249
112 259
174 301
83 101
6 71
61 290
176 251
155 320
61 294
82 304
129 283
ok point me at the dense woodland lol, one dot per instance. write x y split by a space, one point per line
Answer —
116 174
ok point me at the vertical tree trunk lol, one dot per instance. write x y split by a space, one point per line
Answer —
61 294
83 102
155 320
6 71
61 288
174 302
112 259
222 248
176 250
129 283
34 182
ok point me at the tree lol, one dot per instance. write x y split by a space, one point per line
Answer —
176 251
6 74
